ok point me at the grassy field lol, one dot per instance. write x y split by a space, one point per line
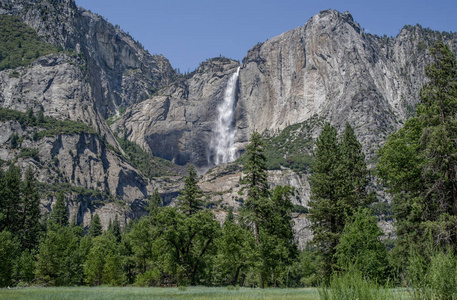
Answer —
109 293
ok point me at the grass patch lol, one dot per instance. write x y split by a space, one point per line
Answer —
109 293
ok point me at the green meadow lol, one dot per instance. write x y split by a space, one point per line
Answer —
109 293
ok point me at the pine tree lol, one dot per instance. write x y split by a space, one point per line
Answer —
116 229
11 200
59 214
338 187
255 180
190 200
355 175
418 163
268 212
327 219
31 227
95 227
155 202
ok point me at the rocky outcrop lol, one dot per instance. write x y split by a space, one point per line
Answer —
119 71
56 85
91 174
332 69
177 125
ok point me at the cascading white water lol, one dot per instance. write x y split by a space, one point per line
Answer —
223 141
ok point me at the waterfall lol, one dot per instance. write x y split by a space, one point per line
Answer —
223 140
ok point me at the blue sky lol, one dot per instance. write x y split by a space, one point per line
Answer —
188 32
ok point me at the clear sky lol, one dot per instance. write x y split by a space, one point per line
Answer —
188 32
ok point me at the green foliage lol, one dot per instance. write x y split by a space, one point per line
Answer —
114 228
29 153
24 267
31 228
418 162
95 227
10 195
236 252
172 247
353 285
189 240
360 247
9 248
155 202
59 214
338 186
59 259
190 199
148 164
255 180
19 44
19 206
292 147
103 264
433 276
269 213
49 126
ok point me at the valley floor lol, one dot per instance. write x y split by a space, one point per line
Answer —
109 293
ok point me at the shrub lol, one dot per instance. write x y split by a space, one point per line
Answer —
353 285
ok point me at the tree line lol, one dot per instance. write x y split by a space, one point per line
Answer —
169 246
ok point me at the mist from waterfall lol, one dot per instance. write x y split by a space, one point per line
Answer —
223 140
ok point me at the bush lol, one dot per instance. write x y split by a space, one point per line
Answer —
433 277
353 285
29 153
148 278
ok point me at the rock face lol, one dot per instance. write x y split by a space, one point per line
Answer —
90 173
177 125
332 69
119 71
55 84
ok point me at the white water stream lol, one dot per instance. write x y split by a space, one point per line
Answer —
223 140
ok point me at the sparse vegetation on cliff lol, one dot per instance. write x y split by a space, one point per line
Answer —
19 44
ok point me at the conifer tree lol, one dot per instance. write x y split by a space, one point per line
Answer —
9 249
116 229
418 162
155 202
190 200
59 214
31 227
11 200
355 173
95 227
338 187
255 180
